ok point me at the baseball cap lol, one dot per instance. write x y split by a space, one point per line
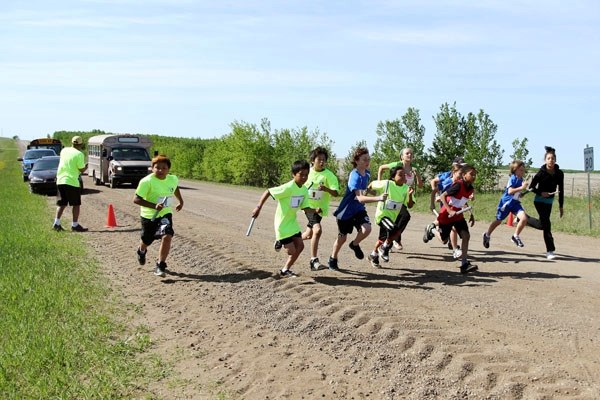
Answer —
77 140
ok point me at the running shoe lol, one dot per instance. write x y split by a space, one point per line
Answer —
357 251
79 228
287 273
467 267
141 257
277 246
517 240
333 264
161 268
428 235
486 240
384 252
457 253
315 265
374 260
57 228
550 255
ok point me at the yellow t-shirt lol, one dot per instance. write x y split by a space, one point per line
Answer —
71 161
319 198
157 190
290 198
397 196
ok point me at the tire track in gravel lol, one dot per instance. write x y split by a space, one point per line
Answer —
381 343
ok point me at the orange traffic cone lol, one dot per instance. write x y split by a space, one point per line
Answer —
111 221
509 222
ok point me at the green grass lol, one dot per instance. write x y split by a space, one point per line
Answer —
63 334
575 219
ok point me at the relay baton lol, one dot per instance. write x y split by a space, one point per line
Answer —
250 226
462 210
157 211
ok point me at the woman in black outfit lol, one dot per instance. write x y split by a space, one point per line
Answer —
546 183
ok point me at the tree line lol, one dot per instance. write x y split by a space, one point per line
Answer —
257 155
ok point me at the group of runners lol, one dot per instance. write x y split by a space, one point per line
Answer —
311 189
313 185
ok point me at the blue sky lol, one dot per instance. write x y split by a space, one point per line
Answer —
191 68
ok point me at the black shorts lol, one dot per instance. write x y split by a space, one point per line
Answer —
313 219
290 239
345 226
68 195
460 225
387 228
153 230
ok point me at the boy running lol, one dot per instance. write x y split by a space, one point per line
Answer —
291 197
510 202
351 213
154 195
321 184
451 216
399 195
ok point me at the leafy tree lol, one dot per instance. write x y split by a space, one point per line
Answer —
520 152
482 150
448 142
393 136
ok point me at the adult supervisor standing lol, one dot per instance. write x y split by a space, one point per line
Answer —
72 163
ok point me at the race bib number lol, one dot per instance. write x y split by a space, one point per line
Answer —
392 205
296 201
315 194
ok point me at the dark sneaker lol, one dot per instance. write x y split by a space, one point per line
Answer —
141 257
315 264
57 228
467 267
287 274
161 268
486 240
450 245
384 252
357 251
277 246
333 264
428 235
374 260
517 241
79 228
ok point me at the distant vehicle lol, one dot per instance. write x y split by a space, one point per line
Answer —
46 143
42 178
30 157
116 159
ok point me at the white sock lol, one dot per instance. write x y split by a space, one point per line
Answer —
74 224
56 221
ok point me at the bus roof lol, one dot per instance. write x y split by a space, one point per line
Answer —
120 139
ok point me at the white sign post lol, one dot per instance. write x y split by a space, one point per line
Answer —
588 161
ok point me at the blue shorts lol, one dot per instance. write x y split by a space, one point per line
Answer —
512 206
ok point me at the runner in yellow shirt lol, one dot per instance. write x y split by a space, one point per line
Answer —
322 184
154 195
291 197
399 195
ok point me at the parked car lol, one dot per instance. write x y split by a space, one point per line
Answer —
42 178
30 157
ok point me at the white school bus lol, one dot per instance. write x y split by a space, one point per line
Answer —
116 159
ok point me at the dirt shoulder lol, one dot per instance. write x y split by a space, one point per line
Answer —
521 327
